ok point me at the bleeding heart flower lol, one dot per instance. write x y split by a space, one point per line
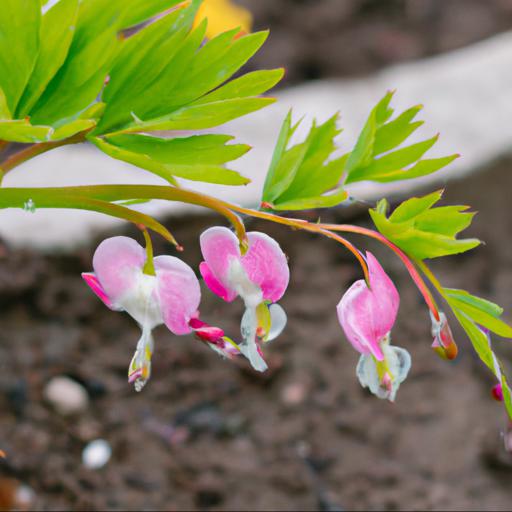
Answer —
260 277
171 296
367 315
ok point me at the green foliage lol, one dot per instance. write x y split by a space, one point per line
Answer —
198 158
375 157
423 231
54 64
302 176
477 316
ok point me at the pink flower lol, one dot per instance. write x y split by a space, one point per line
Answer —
169 297
260 277
367 315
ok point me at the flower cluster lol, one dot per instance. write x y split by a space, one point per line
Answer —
169 293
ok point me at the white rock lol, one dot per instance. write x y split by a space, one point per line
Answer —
96 454
66 395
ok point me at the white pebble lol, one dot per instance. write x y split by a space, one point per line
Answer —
66 395
96 454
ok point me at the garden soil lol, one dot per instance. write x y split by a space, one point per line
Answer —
209 434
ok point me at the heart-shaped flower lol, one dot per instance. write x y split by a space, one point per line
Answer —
260 277
171 296
367 315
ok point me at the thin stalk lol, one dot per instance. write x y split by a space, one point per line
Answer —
38 149
63 197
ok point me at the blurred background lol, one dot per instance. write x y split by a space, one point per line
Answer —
206 434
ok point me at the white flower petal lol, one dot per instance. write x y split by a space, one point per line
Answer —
278 320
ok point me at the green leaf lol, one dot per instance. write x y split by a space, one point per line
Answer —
373 158
196 158
300 177
423 231
250 84
142 10
415 206
80 79
199 117
483 304
327 201
481 311
20 130
482 345
194 150
57 29
19 45
4 109
168 60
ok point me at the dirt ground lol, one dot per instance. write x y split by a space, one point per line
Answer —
206 434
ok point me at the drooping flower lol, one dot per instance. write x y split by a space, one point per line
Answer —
171 296
260 277
367 315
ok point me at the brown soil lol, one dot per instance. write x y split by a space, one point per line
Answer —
324 38
208 434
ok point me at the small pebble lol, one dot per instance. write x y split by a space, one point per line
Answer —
293 394
66 395
96 454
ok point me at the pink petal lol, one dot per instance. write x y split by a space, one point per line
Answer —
266 265
117 262
367 315
179 293
219 246
93 283
214 285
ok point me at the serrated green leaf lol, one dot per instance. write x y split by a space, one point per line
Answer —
19 45
361 155
483 348
250 84
425 232
422 168
217 60
309 203
194 150
482 318
142 10
166 168
392 162
199 117
445 220
282 142
57 29
372 158
299 177
483 304
80 79
395 132
414 207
